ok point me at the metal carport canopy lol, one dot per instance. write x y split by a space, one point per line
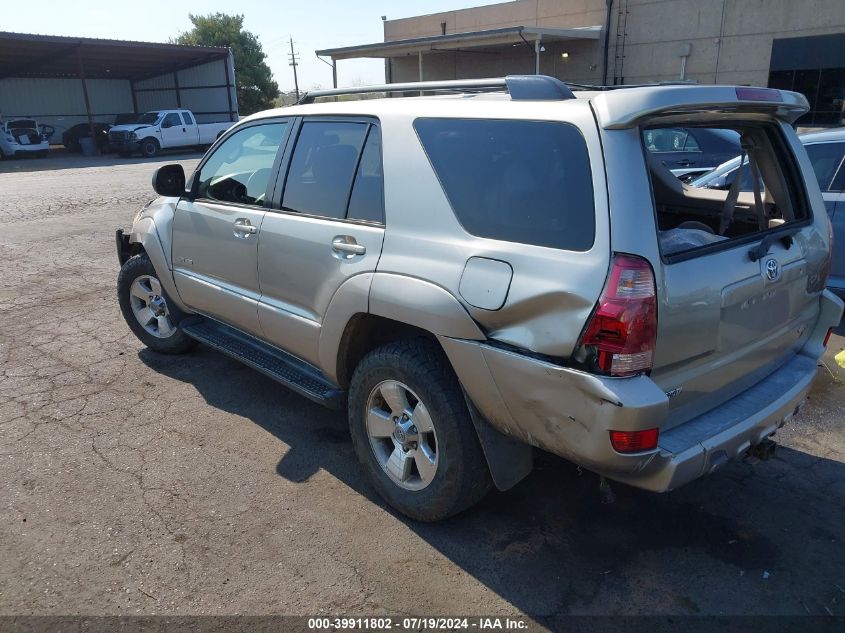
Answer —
51 56
26 55
459 41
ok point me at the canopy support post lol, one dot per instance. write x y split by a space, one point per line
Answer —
87 99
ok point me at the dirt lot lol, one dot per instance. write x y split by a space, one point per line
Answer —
136 483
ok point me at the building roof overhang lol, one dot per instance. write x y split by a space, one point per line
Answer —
460 41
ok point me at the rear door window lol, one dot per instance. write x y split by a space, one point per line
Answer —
323 167
188 118
367 199
518 181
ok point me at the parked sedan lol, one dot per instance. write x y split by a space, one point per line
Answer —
70 138
22 137
827 155
691 151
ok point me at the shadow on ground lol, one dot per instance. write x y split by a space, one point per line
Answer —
549 547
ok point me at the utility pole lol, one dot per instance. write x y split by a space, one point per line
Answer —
294 61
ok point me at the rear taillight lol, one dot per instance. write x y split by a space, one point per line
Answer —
622 331
634 441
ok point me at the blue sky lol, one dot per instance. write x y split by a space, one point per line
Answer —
314 24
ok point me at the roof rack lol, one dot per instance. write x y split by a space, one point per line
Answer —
600 88
520 88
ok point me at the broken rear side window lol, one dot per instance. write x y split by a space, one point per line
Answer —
760 193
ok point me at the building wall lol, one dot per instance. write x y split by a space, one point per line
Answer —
570 13
731 40
583 64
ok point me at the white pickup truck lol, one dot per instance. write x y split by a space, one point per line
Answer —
164 129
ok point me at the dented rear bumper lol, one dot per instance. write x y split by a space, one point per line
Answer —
570 412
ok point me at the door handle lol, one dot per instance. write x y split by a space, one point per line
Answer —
347 246
243 229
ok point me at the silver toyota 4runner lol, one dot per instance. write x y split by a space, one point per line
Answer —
496 265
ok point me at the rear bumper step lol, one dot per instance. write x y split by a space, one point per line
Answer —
703 444
274 363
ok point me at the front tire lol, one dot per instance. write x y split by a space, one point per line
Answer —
149 148
412 431
147 309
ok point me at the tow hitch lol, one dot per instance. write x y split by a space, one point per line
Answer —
761 452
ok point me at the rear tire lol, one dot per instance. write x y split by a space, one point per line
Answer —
149 312
417 374
149 147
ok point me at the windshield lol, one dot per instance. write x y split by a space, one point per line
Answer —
122 119
149 118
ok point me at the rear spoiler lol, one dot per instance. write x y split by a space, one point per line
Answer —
619 109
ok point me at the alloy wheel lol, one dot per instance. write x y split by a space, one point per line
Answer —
402 435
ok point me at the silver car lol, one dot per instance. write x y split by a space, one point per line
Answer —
497 265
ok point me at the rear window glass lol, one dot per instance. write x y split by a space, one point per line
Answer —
518 181
826 159
757 192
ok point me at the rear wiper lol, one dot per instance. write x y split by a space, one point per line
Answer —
762 249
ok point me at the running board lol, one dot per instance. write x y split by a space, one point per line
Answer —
282 367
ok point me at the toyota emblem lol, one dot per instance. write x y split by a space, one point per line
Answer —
772 269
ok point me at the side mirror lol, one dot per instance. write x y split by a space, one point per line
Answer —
169 180
166 124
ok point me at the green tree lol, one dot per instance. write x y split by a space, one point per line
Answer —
255 85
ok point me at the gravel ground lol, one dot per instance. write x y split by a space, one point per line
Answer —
134 483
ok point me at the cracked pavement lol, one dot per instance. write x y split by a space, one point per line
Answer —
134 483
